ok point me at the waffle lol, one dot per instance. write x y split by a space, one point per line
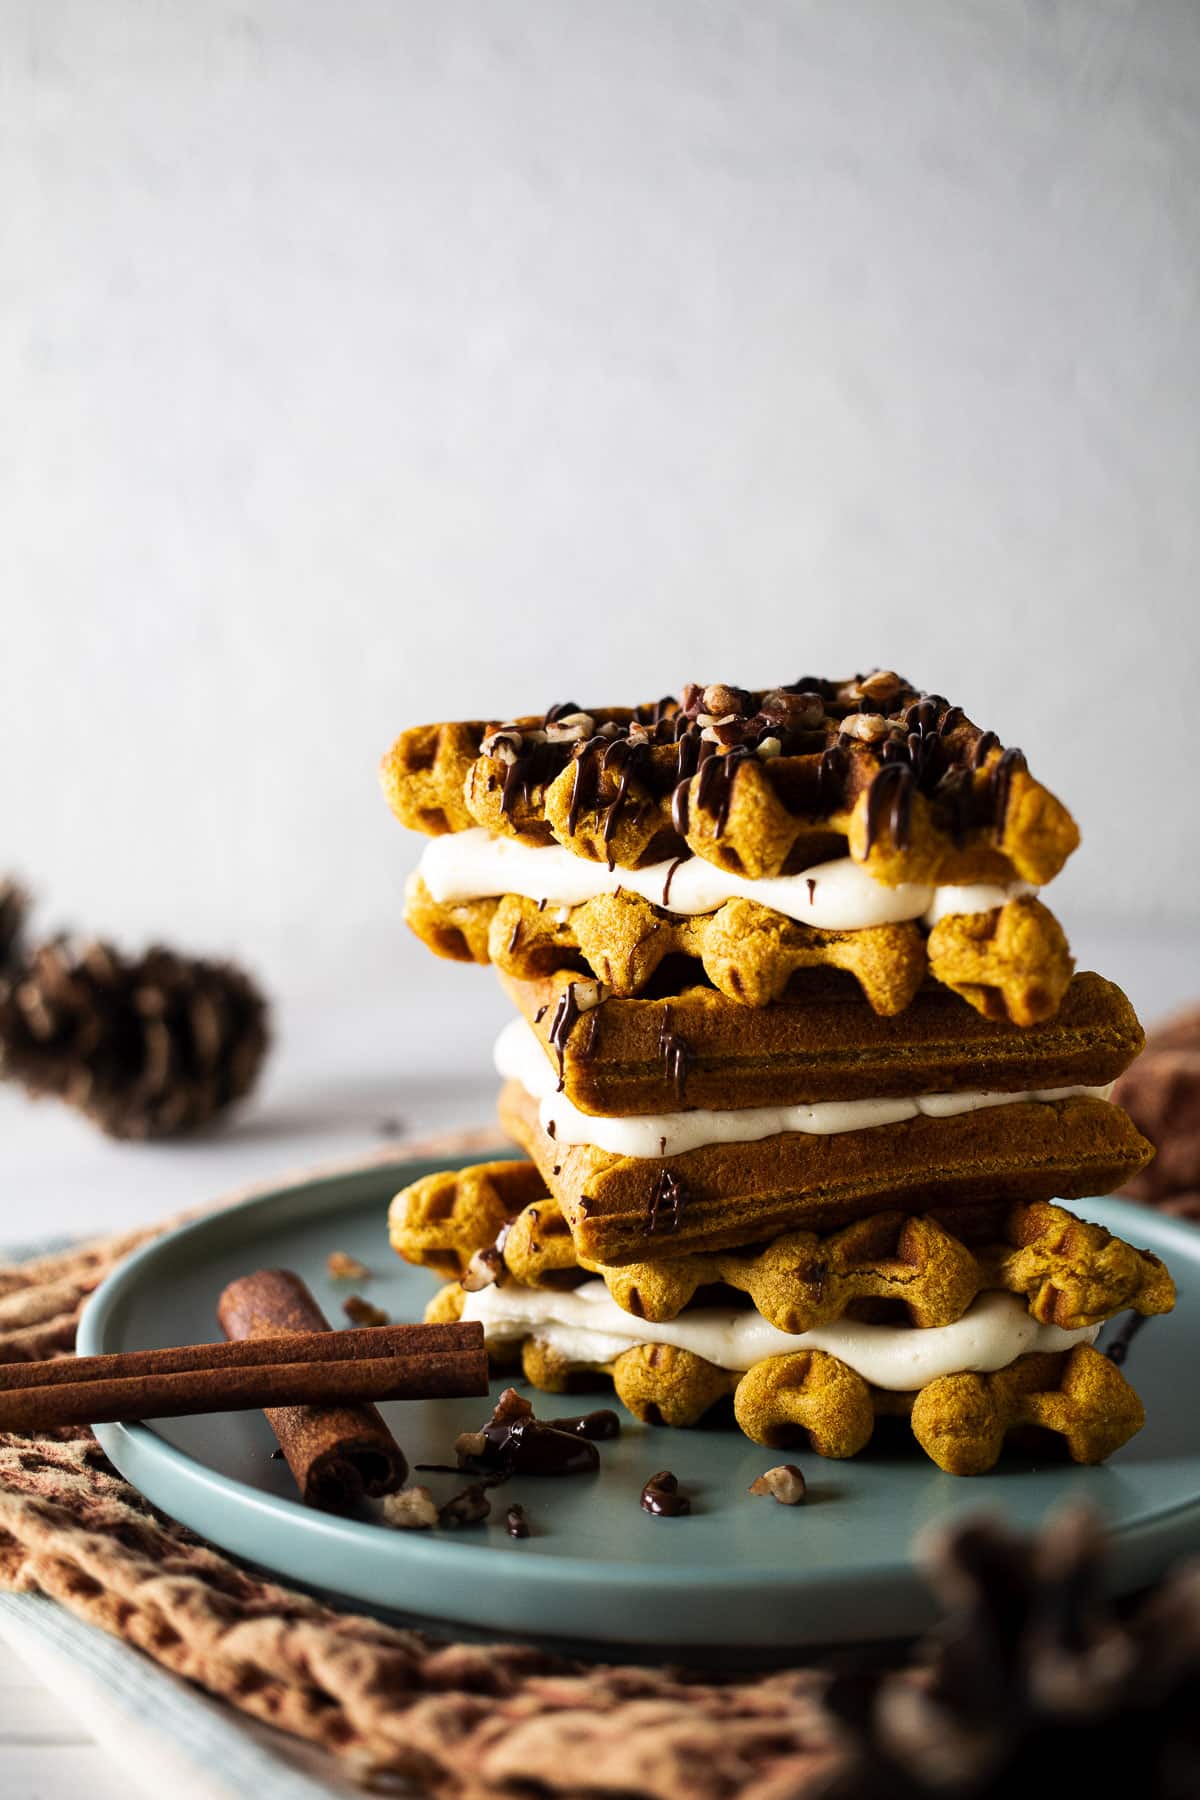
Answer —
769 781
819 1044
809 1397
1072 1273
626 1209
1011 963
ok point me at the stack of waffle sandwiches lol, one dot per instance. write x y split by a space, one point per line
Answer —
800 1068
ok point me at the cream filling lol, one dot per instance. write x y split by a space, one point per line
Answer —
519 1057
837 896
585 1325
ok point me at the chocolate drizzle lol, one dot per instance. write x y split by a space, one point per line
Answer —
714 790
987 742
668 1196
585 783
831 776
567 1014
666 897
1001 786
680 802
890 789
531 768
676 1054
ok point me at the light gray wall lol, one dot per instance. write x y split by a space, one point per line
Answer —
372 362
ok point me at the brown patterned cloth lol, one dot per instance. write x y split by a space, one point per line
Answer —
470 1721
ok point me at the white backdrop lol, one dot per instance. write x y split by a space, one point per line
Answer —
377 362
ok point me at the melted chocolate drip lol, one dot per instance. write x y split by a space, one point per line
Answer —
585 783
675 1052
566 1016
515 1522
528 1447
530 769
714 790
599 1425
669 1196
666 899
662 1498
987 742
891 788
831 776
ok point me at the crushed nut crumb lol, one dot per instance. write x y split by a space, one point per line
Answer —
784 1483
868 728
341 1266
412 1509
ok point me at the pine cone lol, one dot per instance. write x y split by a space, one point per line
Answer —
14 905
146 1048
1034 1683
1161 1093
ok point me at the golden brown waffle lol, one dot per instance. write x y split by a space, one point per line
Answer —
780 779
1072 1273
451 1216
809 1397
961 1421
1012 963
748 952
624 1055
626 1209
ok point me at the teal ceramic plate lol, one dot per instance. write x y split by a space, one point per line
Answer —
737 1572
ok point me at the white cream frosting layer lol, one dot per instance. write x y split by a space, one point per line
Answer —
586 1325
837 896
520 1057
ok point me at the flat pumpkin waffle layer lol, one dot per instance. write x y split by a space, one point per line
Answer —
696 1048
624 1209
756 782
495 1222
1009 962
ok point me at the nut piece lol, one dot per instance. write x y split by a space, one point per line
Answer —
868 728
361 1312
572 728
341 1266
484 1270
800 712
882 685
722 700
785 1483
504 744
412 1509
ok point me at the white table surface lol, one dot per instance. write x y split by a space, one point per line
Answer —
346 1074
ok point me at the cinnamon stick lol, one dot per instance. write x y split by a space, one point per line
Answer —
336 1453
